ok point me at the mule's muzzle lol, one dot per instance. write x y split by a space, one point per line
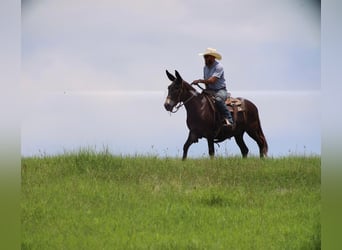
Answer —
169 104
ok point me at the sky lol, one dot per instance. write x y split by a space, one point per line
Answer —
93 72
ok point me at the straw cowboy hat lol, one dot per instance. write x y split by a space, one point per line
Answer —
211 52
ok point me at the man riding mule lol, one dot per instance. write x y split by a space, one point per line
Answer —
202 122
215 82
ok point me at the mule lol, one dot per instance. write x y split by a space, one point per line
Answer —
204 121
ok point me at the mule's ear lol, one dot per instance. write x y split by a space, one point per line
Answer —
170 76
178 75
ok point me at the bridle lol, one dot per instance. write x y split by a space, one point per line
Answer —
181 104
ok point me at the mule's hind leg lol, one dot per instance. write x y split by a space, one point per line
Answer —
191 139
242 145
260 139
211 148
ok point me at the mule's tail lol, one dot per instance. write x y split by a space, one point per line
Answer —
264 148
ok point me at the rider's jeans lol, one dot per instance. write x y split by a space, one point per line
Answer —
221 97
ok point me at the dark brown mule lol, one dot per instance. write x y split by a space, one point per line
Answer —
202 120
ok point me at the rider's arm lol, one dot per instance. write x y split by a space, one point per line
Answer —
211 80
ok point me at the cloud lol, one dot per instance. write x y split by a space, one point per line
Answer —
53 70
129 44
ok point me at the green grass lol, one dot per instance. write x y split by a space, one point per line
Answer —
88 200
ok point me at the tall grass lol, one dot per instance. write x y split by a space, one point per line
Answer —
88 200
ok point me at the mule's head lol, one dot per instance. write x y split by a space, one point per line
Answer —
174 91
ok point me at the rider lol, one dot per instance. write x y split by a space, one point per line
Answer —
215 82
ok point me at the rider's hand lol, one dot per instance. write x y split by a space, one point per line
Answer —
195 82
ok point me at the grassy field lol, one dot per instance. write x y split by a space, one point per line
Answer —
88 200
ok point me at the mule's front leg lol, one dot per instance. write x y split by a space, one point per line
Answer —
191 139
211 148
